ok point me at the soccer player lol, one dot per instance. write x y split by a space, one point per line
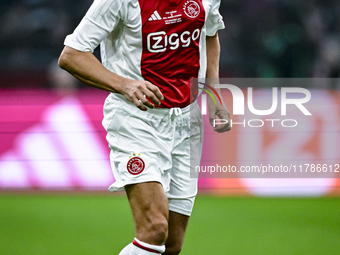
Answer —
150 50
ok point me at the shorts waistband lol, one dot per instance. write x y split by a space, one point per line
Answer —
157 110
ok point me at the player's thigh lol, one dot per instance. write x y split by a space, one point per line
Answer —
183 186
177 226
149 205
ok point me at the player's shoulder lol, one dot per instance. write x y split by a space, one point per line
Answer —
107 4
210 5
100 8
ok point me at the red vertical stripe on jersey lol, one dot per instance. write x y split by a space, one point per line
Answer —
171 34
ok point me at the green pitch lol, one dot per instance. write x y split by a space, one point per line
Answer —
102 225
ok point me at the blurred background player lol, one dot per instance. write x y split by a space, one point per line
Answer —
150 50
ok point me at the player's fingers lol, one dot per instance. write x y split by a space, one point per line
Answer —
224 120
157 95
223 115
139 104
222 128
146 102
152 97
141 97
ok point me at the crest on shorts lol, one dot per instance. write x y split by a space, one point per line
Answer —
135 165
191 8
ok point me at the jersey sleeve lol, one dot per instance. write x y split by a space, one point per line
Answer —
99 21
214 20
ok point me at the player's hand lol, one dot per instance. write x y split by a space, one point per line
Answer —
222 113
136 92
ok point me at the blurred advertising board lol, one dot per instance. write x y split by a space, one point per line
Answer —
50 141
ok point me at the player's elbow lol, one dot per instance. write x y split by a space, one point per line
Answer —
62 61
65 58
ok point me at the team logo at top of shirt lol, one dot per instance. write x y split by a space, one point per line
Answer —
191 9
135 165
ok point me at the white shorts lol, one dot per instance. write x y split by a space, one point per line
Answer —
154 145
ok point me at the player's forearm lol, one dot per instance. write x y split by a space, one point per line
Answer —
213 61
87 68
213 56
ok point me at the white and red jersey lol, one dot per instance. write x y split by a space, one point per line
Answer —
161 41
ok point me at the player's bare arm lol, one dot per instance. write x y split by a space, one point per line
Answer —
87 68
213 59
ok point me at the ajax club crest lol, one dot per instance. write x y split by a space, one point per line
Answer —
191 9
135 165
